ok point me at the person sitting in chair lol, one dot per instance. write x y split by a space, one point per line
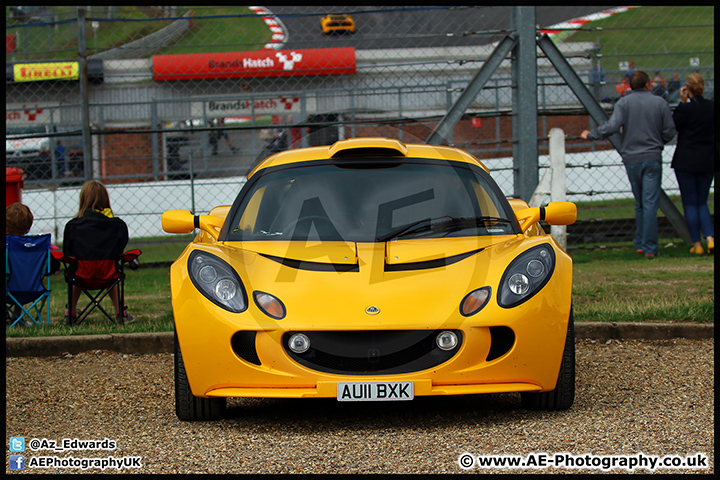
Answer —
95 203
18 221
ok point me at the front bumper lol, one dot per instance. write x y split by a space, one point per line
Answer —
529 362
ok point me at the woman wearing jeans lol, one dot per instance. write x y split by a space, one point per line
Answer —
693 160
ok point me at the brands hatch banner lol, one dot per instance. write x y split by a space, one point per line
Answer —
260 63
22 115
247 107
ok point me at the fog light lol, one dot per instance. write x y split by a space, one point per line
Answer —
446 340
299 343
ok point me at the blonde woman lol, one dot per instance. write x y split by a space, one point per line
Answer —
94 200
693 160
95 203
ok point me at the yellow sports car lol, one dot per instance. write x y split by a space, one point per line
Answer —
337 23
371 270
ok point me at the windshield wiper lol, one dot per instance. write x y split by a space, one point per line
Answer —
452 224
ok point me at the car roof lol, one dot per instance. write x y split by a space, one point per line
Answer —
371 147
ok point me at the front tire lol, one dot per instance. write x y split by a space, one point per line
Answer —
561 398
187 406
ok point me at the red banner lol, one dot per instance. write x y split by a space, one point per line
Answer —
10 42
260 63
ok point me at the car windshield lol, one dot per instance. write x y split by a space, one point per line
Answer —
370 202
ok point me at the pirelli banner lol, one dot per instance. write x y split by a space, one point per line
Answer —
52 71
260 63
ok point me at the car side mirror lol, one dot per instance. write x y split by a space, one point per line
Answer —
183 221
554 213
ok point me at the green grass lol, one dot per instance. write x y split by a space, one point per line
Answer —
229 33
235 29
159 249
655 37
624 208
60 42
609 285
619 285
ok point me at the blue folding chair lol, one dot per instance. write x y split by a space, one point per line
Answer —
27 265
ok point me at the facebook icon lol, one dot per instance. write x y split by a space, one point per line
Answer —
17 462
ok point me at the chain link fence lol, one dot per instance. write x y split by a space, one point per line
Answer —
172 106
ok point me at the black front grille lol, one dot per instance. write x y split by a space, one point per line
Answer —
379 352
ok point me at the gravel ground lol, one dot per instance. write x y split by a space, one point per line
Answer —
654 397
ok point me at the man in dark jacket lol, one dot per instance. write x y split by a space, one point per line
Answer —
645 124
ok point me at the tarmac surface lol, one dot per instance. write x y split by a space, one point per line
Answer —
143 343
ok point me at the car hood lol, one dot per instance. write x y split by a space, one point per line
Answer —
331 284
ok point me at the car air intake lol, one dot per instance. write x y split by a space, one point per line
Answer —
243 344
502 340
379 352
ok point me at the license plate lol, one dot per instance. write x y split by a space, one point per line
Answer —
374 391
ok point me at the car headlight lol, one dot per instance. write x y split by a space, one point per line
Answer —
217 281
526 275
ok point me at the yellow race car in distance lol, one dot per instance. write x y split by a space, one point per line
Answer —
371 270
337 23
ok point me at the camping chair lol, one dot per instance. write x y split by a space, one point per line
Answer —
27 263
94 261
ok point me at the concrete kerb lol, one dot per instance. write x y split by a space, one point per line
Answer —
142 343
132 343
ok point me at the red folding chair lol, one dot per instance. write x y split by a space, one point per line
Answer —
94 261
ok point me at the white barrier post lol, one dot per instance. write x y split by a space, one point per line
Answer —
558 185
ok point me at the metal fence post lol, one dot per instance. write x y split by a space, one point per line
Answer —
84 99
192 183
154 123
556 144
524 89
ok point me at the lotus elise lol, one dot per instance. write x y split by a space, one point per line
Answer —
371 270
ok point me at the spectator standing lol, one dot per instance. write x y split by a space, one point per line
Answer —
216 135
213 138
623 87
645 124
659 86
693 159
631 69
674 84
60 158
598 79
